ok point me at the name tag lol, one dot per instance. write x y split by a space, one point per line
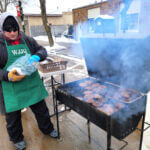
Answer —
19 51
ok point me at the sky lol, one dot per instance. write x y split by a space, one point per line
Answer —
53 6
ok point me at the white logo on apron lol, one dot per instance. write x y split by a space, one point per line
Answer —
19 51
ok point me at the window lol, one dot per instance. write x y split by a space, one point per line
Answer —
129 11
130 22
93 13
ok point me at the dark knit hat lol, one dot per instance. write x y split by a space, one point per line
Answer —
10 24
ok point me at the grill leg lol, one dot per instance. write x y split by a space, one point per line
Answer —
142 130
109 133
63 81
89 135
63 78
57 119
53 94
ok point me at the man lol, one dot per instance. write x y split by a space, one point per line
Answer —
20 91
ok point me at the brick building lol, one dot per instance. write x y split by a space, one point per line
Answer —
89 12
129 16
84 13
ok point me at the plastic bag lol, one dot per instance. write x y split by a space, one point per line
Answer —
23 66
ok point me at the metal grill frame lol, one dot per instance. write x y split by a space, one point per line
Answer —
70 101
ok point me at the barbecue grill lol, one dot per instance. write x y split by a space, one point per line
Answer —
112 97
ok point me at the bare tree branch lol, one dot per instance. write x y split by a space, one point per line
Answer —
4 4
1 6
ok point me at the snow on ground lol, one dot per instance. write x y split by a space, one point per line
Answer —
56 39
54 48
57 47
65 40
41 38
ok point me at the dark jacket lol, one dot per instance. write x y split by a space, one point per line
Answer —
34 47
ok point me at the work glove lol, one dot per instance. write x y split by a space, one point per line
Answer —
14 76
34 58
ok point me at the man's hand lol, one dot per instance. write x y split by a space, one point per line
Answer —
14 76
34 58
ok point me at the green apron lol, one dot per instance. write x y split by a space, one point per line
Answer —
26 92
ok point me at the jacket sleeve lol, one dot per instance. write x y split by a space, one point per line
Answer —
35 48
3 75
3 61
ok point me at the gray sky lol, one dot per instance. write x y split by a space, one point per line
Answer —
54 5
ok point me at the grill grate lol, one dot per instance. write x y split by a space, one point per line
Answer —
97 101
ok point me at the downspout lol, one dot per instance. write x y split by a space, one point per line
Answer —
123 13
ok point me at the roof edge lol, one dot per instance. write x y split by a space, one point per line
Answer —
90 5
39 15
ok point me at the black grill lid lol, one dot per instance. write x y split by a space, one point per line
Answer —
121 61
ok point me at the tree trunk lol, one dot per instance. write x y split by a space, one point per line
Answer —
45 23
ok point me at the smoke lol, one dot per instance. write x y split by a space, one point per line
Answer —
118 50
125 62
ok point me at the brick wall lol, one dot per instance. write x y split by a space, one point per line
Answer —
109 8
